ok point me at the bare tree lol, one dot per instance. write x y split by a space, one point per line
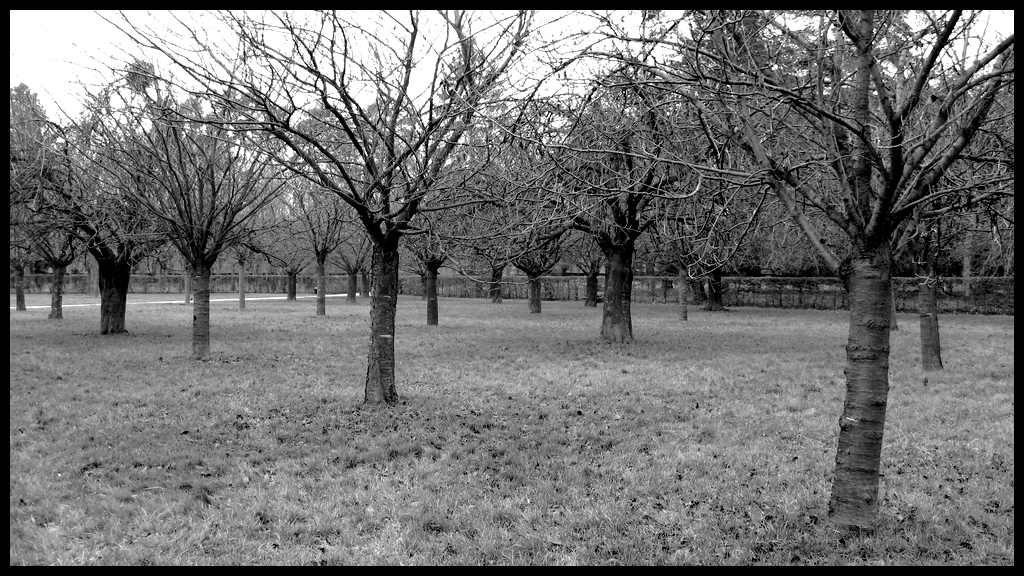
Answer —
325 222
398 90
856 115
199 180
79 199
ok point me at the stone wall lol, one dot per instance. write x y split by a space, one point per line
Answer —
956 295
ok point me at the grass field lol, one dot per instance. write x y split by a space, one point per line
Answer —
519 439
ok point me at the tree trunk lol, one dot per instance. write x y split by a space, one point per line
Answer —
380 365
591 290
893 326
201 312
353 281
495 287
57 293
714 303
113 281
293 280
681 294
927 285
188 286
365 281
854 499
534 291
931 351
617 323
431 292
321 285
241 287
19 287
92 283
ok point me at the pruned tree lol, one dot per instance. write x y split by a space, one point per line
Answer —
536 257
325 223
428 254
41 175
31 170
352 256
856 115
201 181
398 90
618 169
74 197
286 245
589 258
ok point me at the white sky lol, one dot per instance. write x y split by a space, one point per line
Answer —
54 51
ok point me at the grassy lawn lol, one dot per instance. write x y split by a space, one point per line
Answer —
519 439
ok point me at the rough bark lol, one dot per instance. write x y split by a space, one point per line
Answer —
931 350
353 287
293 280
114 275
591 290
19 287
495 287
321 285
201 313
617 321
681 294
57 293
380 365
534 291
854 500
431 292
714 302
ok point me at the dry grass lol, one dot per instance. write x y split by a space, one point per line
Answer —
519 440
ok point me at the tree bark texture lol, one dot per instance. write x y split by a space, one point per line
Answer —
57 293
353 287
201 313
431 291
534 292
927 285
321 285
714 303
293 280
591 290
854 500
495 287
380 365
19 287
931 351
113 280
617 321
